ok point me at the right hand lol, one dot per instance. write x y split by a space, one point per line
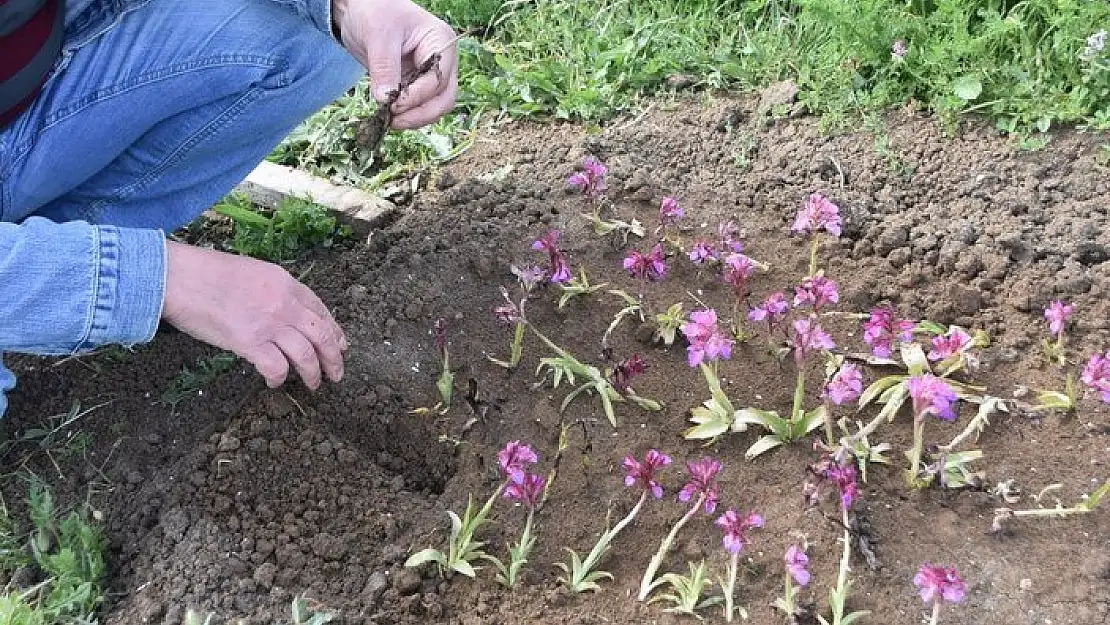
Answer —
255 309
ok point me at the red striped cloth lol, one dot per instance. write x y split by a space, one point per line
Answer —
27 52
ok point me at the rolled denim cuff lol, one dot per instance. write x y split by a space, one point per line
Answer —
130 286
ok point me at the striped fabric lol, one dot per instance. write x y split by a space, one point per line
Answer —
30 41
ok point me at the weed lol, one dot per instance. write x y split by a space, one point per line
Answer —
191 381
301 613
282 234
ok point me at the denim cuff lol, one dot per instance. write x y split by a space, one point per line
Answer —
130 286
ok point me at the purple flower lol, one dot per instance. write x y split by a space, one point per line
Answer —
772 310
670 212
809 337
626 370
846 385
591 181
1057 315
935 583
527 488
728 235
738 269
816 291
703 481
736 529
651 266
1097 375
818 213
514 457
706 341
643 473
883 329
932 395
844 477
529 276
899 49
949 345
796 563
560 268
440 333
702 253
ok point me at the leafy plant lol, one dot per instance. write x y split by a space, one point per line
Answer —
283 234
687 590
191 381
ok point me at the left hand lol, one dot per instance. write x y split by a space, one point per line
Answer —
391 37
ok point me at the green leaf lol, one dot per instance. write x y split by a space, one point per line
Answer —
811 421
763 445
853 617
456 523
877 387
707 430
967 88
446 385
464 567
425 556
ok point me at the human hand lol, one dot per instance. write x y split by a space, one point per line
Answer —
391 38
255 309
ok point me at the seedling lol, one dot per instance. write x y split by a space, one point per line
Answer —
582 575
931 396
702 490
191 381
446 381
735 538
577 287
527 489
667 324
816 215
843 476
797 572
1058 313
687 590
632 307
708 345
1084 506
938 585
950 467
463 549
512 312
302 614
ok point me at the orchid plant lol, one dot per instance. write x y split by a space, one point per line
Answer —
687 591
1058 313
797 572
931 396
1086 505
590 181
938 585
463 548
843 476
511 312
446 381
528 489
702 490
735 528
818 213
707 345
582 575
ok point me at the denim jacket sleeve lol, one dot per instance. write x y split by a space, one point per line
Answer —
69 287
317 12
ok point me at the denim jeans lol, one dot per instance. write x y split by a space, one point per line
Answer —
155 111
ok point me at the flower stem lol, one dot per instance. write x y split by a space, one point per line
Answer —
936 613
733 566
799 396
845 559
603 543
647 583
813 254
830 435
918 447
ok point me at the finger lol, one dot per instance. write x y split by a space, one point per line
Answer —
429 112
383 61
270 363
299 351
326 343
309 300
438 78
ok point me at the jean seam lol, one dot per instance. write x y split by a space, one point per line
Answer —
94 289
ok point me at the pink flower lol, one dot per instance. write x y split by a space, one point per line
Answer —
818 213
513 457
440 333
728 235
651 266
772 310
560 268
591 181
932 395
643 473
702 253
625 371
816 291
844 477
736 529
796 563
937 583
738 269
706 341
899 49
809 337
1057 315
1097 375
703 481
527 488
670 212
883 329
529 276
846 385
949 345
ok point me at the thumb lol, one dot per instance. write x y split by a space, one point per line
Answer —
384 64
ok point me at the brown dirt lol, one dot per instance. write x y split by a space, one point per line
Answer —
245 498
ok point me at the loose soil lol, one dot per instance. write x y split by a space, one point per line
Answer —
244 498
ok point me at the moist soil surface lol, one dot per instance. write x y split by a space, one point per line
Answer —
240 498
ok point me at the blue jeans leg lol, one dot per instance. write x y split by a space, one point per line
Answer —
158 118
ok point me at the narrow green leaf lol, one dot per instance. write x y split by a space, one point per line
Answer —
425 556
877 387
763 445
464 567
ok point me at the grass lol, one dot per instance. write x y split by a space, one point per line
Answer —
62 557
192 380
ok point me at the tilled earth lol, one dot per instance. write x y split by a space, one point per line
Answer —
243 498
